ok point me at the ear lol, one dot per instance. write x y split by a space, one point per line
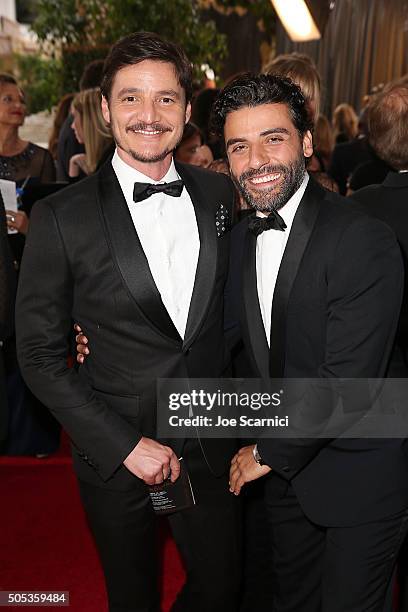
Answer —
105 109
307 144
188 112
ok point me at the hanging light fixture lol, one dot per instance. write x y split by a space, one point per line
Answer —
297 19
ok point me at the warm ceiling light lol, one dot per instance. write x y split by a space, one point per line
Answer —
296 19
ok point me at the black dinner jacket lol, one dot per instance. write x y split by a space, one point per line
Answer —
334 314
389 202
83 261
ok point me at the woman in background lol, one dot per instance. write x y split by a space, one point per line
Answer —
61 113
92 131
19 158
302 70
31 428
323 142
191 149
345 123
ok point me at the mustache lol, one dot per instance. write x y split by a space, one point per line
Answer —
159 127
252 172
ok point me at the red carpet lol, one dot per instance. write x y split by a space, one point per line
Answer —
45 542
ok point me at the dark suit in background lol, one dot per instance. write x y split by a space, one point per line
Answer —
389 202
7 289
68 146
346 157
334 314
83 260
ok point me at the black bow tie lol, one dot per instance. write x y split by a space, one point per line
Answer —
141 191
257 225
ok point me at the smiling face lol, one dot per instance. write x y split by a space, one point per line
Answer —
266 154
147 112
12 105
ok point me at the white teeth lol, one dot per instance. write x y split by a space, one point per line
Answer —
265 179
147 132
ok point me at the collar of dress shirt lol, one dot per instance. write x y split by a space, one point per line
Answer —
128 176
288 211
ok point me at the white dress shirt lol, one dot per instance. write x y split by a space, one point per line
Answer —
168 232
270 246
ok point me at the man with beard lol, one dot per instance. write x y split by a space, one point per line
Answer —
138 255
314 291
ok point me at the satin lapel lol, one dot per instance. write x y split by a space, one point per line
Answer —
128 253
205 207
300 233
252 325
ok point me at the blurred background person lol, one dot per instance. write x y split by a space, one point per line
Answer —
61 113
347 156
201 115
191 149
302 70
19 159
91 131
323 142
68 145
345 123
7 287
388 128
31 430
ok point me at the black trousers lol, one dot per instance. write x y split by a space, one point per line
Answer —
331 569
208 537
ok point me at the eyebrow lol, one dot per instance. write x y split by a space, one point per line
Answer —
162 92
278 130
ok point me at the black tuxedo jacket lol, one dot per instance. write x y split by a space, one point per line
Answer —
83 261
388 202
334 314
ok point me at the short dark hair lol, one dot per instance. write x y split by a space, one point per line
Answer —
388 125
253 90
140 46
8 79
190 130
92 75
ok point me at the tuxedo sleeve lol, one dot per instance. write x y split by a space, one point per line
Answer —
43 324
364 292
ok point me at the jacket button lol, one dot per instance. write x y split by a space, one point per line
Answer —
286 468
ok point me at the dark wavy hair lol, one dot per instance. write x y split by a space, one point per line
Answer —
140 46
253 90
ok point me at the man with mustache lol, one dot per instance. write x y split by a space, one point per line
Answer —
314 291
138 254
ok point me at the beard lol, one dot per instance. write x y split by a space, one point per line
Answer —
144 156
267 200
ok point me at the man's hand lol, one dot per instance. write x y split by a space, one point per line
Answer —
244 468
153 462
82 341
